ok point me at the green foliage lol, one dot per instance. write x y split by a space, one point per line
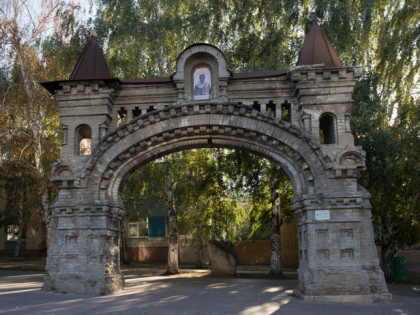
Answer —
382 36
367 113
250 178
61 55
385 120
144 38
392 159
30 133
200 192
19 189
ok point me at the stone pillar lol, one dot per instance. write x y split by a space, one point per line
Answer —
223 89
129 115
180 92
65 134
307 122
338 259
103 129
83 253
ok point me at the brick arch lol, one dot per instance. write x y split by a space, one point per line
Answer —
190 126
334 228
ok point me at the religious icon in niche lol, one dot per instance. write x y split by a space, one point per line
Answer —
202 83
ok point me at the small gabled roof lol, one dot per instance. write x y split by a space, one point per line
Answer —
317 48
91 63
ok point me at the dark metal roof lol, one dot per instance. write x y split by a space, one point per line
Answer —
91 63
52 86
148 80
317 48
260 74
235 76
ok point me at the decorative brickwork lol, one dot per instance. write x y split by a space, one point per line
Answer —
276 115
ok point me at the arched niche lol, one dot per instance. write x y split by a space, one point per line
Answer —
63 171
327 129
208 62
202 83
201 75
83 143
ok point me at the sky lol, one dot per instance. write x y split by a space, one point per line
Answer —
88 8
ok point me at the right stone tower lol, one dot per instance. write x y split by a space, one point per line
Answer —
338 257
323 89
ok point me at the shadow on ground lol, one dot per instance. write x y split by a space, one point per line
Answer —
192 292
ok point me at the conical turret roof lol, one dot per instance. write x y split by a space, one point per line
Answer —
91 63
317 48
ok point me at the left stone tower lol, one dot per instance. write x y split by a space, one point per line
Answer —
85 101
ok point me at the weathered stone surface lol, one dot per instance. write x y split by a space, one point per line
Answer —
277 115
223 258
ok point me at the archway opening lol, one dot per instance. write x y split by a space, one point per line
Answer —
219 194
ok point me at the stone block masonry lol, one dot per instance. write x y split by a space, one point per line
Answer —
298 119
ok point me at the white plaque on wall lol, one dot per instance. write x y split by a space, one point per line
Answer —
322 215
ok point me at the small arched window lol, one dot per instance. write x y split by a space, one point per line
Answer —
327 129
83 140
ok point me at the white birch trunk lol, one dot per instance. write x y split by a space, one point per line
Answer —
275 240
173 227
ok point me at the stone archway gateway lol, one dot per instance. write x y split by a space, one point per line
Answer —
300 119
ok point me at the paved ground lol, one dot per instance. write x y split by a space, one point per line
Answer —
20 294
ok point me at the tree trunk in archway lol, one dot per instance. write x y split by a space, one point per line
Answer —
172 226
20 226
124 251
275 240
20 194
387 252
200 252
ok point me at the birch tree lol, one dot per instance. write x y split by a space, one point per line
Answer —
276 222
158 181
27 111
